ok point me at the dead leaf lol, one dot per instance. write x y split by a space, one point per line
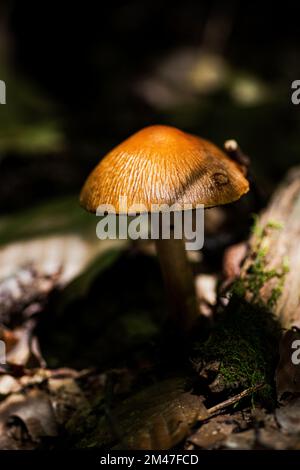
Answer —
8 384
24 294
241 441
157 418
288 417
274 439
212 434
22 348
25 419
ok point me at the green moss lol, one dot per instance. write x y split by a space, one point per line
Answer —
274 224
257 229
257 274
245 339
244 342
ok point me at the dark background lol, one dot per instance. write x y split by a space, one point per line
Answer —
82 76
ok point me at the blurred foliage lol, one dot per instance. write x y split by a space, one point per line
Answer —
214 70
28 122
54 217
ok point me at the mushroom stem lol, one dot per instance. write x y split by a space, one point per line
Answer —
179 282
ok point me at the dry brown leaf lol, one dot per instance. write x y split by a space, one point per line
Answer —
22 348
25 419
156 418
24 294
242 441
212 434
274 439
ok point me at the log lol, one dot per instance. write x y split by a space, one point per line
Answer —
270 274
242 349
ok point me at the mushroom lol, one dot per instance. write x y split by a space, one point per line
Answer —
163 165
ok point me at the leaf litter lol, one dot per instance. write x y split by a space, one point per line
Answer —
134 407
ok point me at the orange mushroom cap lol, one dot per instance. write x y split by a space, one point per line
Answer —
163 165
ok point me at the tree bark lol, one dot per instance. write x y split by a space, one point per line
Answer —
271 271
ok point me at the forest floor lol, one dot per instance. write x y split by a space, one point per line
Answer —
91 363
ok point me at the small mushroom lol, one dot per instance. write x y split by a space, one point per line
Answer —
163 165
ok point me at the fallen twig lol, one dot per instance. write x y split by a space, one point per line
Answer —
235 399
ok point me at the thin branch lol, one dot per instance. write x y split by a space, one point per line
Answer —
235 399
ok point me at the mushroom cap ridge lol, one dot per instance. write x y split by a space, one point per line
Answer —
163 165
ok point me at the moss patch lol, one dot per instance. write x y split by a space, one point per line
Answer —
244 342
257 274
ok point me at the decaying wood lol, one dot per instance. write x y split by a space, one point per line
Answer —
267 276
271 271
